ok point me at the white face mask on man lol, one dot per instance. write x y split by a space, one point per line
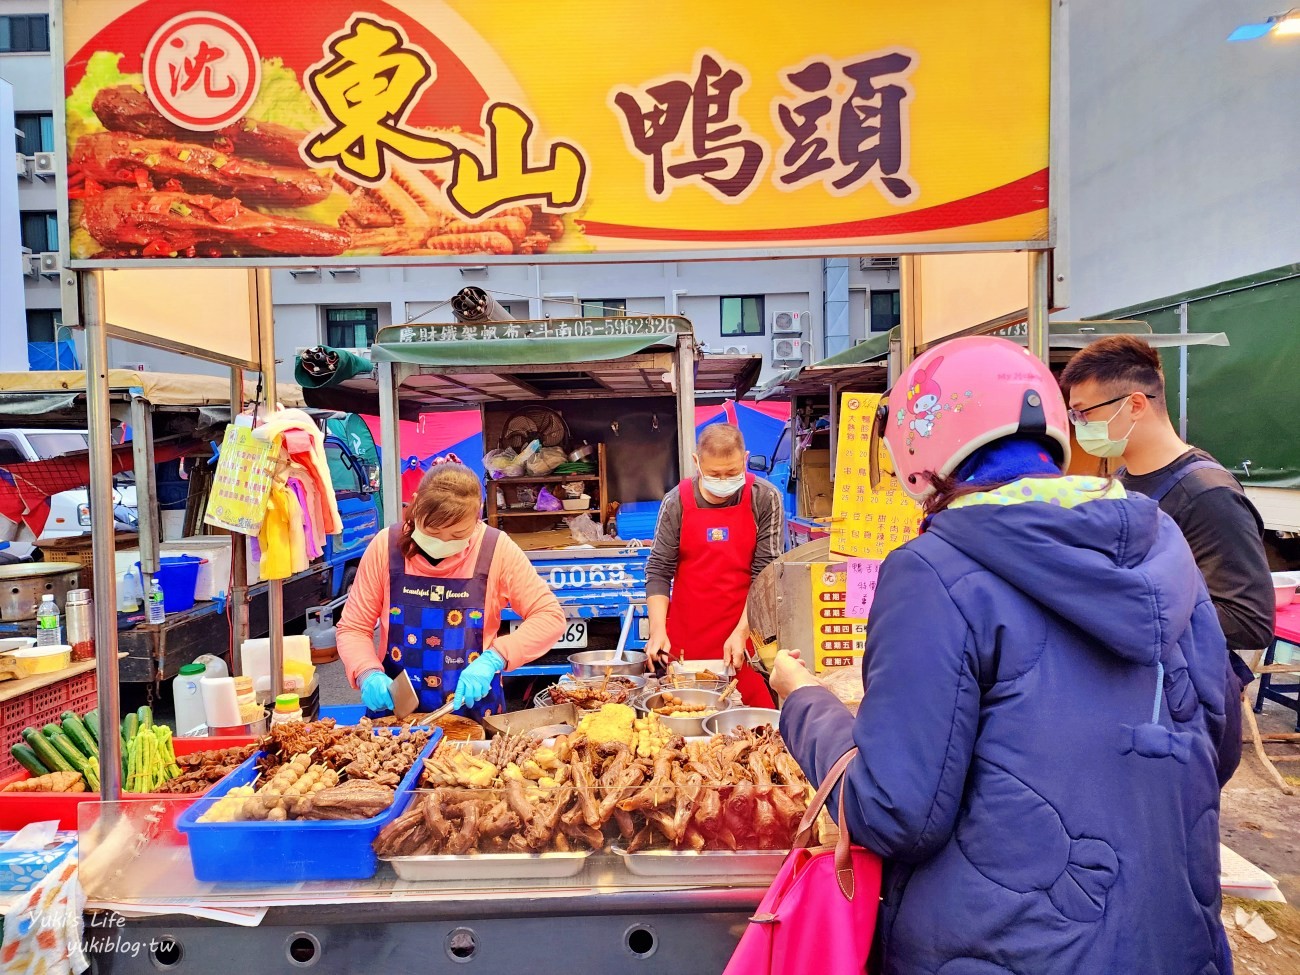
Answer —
438 548
1094 436
722 487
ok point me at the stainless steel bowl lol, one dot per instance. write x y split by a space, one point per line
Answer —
725 722
686 727
594 663
543 697
22 585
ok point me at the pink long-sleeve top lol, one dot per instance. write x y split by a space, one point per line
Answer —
512 581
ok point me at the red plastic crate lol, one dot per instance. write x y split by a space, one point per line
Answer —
17 809
40 707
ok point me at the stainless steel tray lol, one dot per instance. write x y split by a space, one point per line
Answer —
491 866
687 864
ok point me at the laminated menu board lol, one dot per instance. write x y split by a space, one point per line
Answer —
838 639
241 485
866 523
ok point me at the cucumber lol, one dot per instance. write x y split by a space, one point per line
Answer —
77 733
47 754
91 721
69 751
145 716
28 760
129 728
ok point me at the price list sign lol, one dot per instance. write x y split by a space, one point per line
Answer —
839 640
867 524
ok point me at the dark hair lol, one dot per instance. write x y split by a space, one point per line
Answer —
1120 363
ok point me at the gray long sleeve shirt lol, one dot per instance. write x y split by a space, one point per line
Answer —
769 516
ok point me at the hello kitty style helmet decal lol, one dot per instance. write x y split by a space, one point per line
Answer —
964 394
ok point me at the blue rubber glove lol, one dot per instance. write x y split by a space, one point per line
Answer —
476 679
375 691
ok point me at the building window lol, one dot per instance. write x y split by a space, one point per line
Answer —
742 315
40 324
603 307
22 33
351 328
39 230
35 132
884 310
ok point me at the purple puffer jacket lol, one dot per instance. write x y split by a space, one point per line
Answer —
1037 819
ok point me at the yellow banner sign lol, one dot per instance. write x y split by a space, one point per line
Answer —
839 640
241 485
426 130
866 524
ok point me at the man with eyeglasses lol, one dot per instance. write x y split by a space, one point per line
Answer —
1116 391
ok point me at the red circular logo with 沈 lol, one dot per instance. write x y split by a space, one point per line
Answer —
201 71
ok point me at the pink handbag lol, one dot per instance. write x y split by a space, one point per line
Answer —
819 915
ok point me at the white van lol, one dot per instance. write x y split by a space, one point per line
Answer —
69 510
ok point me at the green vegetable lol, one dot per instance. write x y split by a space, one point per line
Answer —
77 733
129 727
91 774
145 716
91 721
47 754
28 760
68 750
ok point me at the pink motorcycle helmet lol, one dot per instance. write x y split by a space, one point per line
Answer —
961 395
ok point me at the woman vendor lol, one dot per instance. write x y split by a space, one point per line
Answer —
436 585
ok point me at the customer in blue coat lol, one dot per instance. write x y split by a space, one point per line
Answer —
1045 682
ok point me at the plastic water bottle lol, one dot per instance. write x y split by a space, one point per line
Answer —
187 697
154 602
49 631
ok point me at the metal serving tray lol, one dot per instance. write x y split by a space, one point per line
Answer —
491 866
711 864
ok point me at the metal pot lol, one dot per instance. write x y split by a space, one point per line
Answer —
594 663
725 722
686 727
22 585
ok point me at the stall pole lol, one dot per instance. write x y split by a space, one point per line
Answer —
391 454
266 359
99 435
238 596
146 484
834 417
1039 265
685 366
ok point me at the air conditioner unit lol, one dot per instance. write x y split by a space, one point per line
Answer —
32 265
787 349
24 166
736 350
45 165
877 263
51 266
789 322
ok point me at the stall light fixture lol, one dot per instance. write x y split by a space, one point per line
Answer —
336 271
473 269
297 272
1283 25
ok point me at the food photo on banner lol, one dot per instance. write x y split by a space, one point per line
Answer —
425 130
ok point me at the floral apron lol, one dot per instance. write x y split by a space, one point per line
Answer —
435 628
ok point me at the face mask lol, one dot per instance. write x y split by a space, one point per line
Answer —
722 487
1094 437
436 548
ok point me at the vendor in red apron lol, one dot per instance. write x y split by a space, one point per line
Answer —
716 533
435 586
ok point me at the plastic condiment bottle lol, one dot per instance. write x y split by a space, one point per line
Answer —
187 698
287 709
81 624
49 632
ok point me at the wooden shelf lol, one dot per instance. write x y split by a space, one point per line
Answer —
553 479
600 503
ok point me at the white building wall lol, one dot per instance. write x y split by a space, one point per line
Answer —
1183 149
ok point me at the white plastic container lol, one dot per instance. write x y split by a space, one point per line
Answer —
256 655
187 698
214 578
220 703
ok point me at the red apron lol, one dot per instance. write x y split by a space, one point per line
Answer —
714 570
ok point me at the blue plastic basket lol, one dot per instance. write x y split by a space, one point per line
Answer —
293 852
637 519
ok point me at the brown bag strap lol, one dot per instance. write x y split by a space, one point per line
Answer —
803 837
